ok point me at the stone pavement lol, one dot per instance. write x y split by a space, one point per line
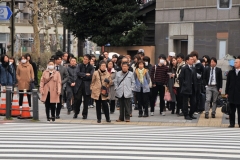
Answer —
156 120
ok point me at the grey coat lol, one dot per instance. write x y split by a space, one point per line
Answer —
72 71
112 92
64 77
126 87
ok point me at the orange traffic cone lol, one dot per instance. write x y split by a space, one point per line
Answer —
3 103
15 106
25 109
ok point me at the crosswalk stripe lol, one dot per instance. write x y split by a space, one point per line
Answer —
75 141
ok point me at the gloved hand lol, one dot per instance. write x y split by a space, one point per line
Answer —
106 80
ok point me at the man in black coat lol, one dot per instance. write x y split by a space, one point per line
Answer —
233 91
82 86
188 83
213 81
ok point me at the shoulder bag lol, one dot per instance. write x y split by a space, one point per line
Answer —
123 79
104 90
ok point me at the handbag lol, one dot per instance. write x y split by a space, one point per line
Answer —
220 101
226 108
31 85
167 95
104 90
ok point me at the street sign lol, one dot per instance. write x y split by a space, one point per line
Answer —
5 13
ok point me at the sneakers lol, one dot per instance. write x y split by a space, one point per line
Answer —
152 113
195 113
163 114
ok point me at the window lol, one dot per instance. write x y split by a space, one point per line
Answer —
222 49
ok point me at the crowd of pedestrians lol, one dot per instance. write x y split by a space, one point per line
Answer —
186 86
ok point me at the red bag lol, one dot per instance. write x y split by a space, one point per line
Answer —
167 96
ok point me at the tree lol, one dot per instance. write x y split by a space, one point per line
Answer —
108 21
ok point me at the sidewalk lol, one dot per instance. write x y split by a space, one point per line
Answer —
156 120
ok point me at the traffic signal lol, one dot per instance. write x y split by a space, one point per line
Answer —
224 4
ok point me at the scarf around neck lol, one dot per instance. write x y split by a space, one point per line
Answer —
141 74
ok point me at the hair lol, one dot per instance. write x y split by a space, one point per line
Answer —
88 56
115 56
25 56
101 57
194 53
171 64
208 59
14 62
104 52
102 62
3 56
53 57
137 56
125 63
180 55
162 56
202 60
188 56
64 53
238 57
140 61
50 61
59 53
57 57
74 58
28 55
141 53
214 59
110 62
146 58
92 55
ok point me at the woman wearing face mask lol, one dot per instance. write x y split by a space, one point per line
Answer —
142 89
159 77
50 89
24 75
7 72
101 78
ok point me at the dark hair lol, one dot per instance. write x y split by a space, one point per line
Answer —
101 57
214 59
141 53
208 59
52 58
125 63
14 63
92 55
59 53
180 55
238 57
28 55
102 62
146 58
115 56
3 56
50 61
110 62
137 56
24 56
194 53
74 58
88 56
202 60
64 53
162 56
57 57
140 61
171 64
188 56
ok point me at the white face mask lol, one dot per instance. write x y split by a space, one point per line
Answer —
146 63
51 67
23 61
10 63
162 61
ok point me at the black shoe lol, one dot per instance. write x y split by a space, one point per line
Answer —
68 112
213 116
140 115
206 116
108 121
111 112
172 112
53 119
99 121
135 108
231 126
239 126
180 114
145 115
57 117
188 118
75 116
84 117
193 117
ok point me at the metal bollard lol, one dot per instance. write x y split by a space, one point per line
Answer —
8 102
35 104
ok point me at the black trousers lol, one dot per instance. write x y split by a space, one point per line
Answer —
78 100
21 98
102 104
142 102
233 108
192 98
179 100
198 94
59 106
70 93
49 106
155 90
112 105
124 108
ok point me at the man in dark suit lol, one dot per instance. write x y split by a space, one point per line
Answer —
233 91
213 81
82 86
188 83
64 78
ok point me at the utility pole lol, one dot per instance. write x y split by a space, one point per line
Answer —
12 27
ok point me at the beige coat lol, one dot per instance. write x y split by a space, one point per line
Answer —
24 76
96 84
52 85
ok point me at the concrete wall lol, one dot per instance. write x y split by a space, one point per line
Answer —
149 50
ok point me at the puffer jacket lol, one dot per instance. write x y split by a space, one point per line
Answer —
7 75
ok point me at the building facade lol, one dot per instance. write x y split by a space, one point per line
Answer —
186 25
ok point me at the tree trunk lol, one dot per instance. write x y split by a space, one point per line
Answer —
45 25
55 23
35 29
